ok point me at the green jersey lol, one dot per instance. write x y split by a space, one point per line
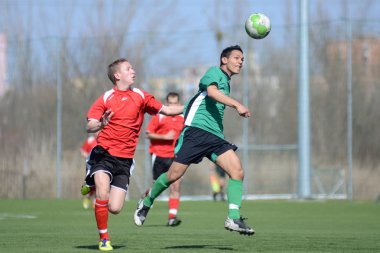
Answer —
204 112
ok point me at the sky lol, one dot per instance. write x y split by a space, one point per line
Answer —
57 11
192 20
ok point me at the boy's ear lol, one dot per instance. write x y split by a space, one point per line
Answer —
116 75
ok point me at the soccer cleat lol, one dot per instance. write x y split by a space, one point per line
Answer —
85 189
173 222
238 225
140 213
105 245
86 203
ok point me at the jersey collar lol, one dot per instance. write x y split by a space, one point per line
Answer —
224 72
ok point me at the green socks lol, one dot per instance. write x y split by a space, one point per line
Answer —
234 192
235 195
160 185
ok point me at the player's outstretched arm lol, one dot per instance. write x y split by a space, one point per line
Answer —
155 136
172 110
214 93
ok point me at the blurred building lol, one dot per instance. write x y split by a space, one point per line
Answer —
365 53
365 60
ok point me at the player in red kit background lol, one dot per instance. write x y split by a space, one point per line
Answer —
118 114
163 131
85 150
88 145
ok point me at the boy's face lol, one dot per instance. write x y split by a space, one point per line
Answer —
172 100
126 74
234 62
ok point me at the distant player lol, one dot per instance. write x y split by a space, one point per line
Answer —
218 181
85 149
203 136
163 132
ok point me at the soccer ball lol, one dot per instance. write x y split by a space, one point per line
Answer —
257 26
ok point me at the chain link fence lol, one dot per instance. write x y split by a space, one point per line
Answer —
51 82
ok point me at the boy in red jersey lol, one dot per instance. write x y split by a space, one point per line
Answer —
163 131
118 114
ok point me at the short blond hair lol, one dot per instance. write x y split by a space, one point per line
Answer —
113 67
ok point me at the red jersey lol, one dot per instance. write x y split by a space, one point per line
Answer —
88 145
120 136
161 124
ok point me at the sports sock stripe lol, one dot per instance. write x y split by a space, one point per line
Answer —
233 206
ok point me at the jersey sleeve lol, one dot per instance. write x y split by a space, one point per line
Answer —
97 109
152 105
153 124
210 77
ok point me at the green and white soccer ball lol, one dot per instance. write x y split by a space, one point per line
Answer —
257 26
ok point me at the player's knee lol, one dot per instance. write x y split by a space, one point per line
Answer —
114 209
172 177
237 174
176 172
241 174
102 195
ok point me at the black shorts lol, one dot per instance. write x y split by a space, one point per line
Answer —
194 143
160 165
119 169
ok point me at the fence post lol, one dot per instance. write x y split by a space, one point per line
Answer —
349 106
304 189
59 118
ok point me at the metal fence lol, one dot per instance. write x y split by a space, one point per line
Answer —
51 82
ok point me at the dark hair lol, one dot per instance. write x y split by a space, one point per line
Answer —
227 52
172 94
112 68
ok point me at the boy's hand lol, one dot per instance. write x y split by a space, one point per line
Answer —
106 117
243 111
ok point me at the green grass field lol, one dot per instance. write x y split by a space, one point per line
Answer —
281 226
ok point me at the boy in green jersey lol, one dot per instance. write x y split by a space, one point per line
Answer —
203 136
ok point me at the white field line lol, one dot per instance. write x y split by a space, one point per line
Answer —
4 216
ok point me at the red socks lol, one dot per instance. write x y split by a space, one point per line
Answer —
173 207
101 216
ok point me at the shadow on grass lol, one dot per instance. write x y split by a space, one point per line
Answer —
156 225
197 246
95 247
